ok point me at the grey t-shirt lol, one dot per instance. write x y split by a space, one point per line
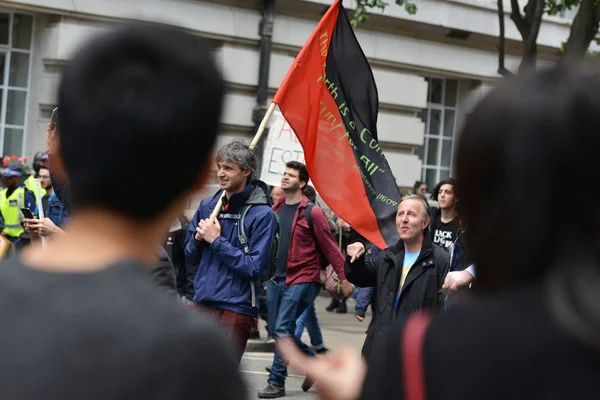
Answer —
286 216
108 334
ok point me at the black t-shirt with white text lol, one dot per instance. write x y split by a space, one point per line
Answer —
443 234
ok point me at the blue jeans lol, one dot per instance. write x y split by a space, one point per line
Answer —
309 319
274 292
294 301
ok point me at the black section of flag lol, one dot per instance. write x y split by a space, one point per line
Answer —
352 85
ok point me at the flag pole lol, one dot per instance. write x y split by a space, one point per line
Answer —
259 132
38 198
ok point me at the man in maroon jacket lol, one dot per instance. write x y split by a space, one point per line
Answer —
297 278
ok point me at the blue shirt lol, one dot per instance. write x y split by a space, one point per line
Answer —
409 260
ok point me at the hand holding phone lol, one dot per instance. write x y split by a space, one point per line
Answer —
27 213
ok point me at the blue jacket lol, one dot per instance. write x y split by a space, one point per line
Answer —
57 212
224 270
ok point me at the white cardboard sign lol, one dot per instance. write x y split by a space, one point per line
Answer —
281 146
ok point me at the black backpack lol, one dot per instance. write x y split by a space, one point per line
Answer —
269 271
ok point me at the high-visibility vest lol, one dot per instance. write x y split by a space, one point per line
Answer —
30 185
11 211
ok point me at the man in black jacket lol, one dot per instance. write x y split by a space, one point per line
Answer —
407 276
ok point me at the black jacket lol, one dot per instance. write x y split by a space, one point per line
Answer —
163 273
184 271
505 346
420 291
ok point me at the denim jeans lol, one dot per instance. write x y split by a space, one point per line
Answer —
309 320
294 301
274 292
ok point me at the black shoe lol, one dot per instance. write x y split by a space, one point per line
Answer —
268 369
342 309
307 384
333 305
272 392
322 351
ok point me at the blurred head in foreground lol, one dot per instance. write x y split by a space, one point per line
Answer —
142 91
523 146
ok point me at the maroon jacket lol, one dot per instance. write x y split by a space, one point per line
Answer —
304 265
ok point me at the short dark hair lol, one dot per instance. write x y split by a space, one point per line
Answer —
449 181
301 168
310 192
140 92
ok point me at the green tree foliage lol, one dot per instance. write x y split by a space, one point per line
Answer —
583 29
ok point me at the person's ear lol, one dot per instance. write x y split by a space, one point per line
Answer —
426 224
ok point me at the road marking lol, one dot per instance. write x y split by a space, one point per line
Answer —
244 371
257 354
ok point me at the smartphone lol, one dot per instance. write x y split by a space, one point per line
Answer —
27 213
54 118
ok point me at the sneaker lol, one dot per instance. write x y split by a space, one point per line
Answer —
322 351
272 392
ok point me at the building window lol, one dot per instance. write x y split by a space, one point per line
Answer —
440 122
16 39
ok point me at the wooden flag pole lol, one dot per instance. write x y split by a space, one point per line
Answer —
261 129
38 198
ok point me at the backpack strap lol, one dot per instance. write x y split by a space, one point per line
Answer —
244 242
241 230
413 365
308 216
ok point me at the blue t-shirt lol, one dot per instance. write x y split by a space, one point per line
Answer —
409 260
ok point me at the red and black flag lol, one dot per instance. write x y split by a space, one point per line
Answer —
330 100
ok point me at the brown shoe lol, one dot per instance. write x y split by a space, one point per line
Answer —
307 384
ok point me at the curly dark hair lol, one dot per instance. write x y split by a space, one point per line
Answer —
449 181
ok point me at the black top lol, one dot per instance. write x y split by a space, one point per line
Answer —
286 216
109 334
421 290
504 347
443 234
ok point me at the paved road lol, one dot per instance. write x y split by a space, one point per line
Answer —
339 330
253 370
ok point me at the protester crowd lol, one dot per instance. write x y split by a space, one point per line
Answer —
485 295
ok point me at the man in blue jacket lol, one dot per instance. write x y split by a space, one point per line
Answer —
229 273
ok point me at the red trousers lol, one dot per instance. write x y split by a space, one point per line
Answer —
238 326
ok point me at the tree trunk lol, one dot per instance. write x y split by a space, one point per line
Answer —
533 19
583 30
500 46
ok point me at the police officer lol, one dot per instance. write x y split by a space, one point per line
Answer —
13 197
39 160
